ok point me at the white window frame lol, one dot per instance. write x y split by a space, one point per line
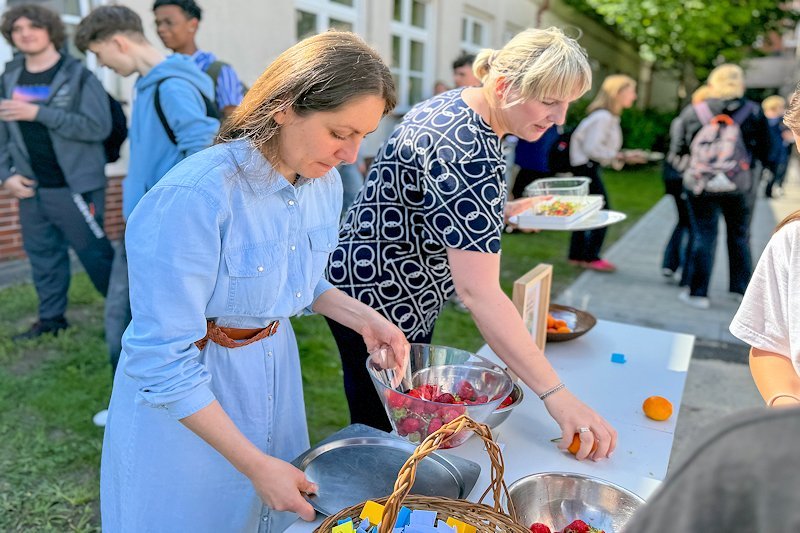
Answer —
325 10
467 23
408 32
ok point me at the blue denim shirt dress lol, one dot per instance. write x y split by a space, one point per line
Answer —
222 236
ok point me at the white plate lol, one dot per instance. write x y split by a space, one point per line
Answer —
587 206
597 220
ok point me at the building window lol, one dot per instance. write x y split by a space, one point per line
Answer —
410 51
474 34
316 16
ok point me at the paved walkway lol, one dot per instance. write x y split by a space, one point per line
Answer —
719 380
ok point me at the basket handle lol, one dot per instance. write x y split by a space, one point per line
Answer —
432 443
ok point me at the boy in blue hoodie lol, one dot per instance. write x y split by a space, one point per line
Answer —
115 35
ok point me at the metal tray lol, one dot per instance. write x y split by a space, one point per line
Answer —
361 463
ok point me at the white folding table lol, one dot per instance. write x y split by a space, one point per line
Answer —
656 364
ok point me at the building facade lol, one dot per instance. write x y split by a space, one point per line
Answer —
418 38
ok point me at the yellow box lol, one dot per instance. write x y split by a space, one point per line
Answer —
460 526
372 511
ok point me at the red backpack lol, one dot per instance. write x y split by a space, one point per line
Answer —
719 162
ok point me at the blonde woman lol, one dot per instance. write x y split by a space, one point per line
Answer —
726 84
207 405
596 143
431 214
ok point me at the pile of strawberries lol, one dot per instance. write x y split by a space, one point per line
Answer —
578 526
426 408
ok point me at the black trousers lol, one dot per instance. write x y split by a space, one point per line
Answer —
586 245
53 221
362 398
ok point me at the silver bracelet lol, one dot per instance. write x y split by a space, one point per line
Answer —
554 390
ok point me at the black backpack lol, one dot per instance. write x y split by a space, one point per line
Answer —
558 158
211 111
119 124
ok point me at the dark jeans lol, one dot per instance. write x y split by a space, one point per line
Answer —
53 221
679 246
586 245
118 305
704 211
362 399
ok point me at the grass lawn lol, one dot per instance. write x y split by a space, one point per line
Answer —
51 387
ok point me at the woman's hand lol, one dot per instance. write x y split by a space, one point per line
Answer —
520 205
386 344
281 486
571 414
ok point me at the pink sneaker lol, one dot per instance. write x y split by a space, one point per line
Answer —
601 265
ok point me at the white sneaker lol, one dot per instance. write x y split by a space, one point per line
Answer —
100 418
698 302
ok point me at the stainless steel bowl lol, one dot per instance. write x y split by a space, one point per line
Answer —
558 498
499 416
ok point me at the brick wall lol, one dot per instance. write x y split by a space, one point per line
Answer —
11 240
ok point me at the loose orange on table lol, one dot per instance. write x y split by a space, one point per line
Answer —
575 445
657 408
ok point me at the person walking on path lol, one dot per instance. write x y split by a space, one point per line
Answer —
675 264
429 221
595 143
177 22
781 142
54 117
727 91
116 36
207 407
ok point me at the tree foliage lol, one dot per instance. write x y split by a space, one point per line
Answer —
674 34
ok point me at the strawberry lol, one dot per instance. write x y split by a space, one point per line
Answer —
538 527
445 398
396 400
482 399
505 403
415 393
465 390
578 526
434 424
409 425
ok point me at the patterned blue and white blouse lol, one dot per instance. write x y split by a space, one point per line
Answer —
436 183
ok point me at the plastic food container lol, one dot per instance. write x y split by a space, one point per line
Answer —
574 186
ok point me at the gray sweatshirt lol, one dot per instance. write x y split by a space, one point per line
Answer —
78 117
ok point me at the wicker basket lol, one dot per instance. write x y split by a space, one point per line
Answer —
479 515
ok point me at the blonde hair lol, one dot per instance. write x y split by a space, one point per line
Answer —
538 65
726 82
320 73
608 96
701 94
773 103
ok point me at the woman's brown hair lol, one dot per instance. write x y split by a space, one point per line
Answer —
320 73
791 218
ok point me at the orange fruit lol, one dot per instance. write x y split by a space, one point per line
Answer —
561 323
575 445
657 408
551 322
563 329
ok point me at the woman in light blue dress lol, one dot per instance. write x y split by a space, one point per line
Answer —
198 437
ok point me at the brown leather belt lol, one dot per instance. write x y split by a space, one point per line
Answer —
228 337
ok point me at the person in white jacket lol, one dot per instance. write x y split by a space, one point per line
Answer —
596 142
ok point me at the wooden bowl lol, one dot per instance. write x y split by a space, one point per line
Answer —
579 321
